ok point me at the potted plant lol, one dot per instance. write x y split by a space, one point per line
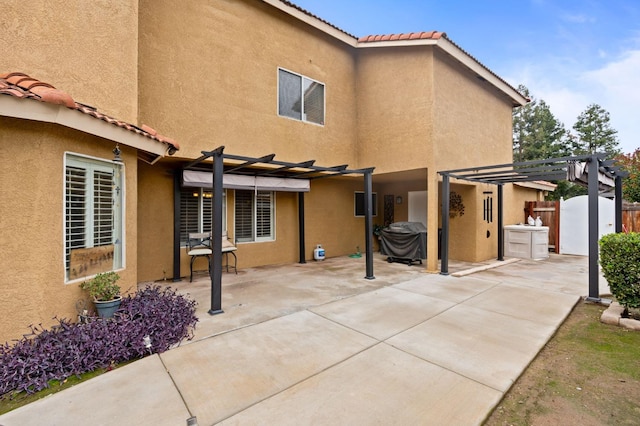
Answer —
377 232
105 293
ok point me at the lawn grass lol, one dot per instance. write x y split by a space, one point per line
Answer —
587 374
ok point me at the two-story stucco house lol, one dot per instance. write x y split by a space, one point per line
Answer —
255 76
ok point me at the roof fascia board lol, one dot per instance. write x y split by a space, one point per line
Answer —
49 113
398 43
536 185
314 22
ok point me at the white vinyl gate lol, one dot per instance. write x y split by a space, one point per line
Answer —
574 223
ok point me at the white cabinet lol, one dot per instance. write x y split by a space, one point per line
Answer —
528 242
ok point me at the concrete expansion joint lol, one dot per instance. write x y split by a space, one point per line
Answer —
485 267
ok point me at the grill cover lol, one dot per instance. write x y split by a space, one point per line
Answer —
404 240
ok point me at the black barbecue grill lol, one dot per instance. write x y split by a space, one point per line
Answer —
404 242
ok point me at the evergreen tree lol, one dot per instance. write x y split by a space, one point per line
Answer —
537 133
594 132
631 184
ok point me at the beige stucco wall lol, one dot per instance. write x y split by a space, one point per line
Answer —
395 107
216 79
32 287
155 223
472 128
472 119
515 198
88 49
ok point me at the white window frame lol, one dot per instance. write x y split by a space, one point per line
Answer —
204 196
272 211
356 202
303 116
93 165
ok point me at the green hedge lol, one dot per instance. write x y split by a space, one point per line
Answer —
620 260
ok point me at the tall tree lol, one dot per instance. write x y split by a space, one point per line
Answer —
631 184
537 133
594 132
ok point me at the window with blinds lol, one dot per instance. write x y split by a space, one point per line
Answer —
195 212
254 216
93 207
300 98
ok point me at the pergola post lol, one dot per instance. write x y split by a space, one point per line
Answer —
618 202
177 177
215 268
500 224
301 241
368 225
444 244
592 176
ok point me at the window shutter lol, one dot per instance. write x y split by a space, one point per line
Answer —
206 211
244 215
103 208
263 214
76 206
189 213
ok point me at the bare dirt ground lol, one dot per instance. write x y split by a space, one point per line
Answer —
588 374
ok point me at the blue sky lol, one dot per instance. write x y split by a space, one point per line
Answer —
569 53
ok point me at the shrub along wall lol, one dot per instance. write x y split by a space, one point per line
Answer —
620 260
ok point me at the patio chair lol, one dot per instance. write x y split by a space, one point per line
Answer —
199 245
229 247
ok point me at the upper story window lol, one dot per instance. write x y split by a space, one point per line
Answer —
94 211
300 98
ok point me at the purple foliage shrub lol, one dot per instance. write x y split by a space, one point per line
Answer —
72 349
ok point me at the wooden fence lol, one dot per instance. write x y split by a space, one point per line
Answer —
631 217
549 212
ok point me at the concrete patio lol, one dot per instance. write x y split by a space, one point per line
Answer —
317 343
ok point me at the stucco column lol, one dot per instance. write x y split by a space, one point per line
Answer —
433 210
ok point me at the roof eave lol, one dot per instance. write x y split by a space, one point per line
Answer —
314 21
482 71
30 109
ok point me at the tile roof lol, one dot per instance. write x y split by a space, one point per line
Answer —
424 35
22 86
306 12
